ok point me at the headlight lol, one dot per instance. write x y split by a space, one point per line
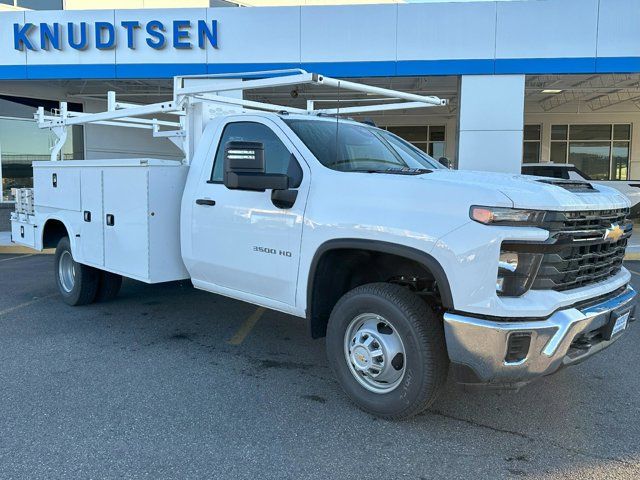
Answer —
516 272
506 216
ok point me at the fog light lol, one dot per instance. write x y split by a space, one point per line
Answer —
518 347
508 261
516 272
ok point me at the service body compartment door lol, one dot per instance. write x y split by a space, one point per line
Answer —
23 233
92 230
57 187
126 239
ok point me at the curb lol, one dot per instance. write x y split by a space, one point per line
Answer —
19 250
632 256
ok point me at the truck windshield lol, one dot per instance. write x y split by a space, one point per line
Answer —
358 148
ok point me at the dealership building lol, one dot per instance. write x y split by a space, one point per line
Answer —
530 80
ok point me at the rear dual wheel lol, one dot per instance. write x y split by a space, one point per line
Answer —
108 286
387 349
80 284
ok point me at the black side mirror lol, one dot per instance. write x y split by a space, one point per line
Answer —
244 168
445 162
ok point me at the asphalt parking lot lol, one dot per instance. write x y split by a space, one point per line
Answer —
170 382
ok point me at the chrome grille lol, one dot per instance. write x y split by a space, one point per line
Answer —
582 255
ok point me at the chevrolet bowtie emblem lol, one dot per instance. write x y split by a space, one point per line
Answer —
613 233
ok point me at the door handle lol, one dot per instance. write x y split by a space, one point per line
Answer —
205 201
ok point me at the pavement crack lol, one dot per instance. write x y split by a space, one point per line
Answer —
575 451
483 425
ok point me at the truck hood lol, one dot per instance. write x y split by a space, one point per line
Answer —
529 192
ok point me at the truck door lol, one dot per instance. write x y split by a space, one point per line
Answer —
240 239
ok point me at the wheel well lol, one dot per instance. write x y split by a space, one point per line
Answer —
335 271
53 231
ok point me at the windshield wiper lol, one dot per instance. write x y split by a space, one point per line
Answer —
396 171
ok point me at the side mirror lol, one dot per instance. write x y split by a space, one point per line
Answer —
244 168
445 162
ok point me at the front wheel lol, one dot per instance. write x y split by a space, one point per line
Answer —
77 283
387 349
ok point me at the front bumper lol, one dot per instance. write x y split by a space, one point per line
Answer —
481 351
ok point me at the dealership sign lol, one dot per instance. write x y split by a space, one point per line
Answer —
181 34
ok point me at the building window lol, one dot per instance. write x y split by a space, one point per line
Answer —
22 142
532 143
600 151
428 138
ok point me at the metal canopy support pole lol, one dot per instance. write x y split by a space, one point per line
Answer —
491 121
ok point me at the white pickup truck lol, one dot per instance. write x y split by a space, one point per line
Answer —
411 271
567 171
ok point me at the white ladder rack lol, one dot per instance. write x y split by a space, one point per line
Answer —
186 96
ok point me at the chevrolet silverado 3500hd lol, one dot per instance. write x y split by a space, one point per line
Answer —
411 271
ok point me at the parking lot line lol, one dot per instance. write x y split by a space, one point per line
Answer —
246 327
19 256
633 271
26 304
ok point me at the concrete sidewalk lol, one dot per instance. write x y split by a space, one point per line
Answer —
6 246
633 249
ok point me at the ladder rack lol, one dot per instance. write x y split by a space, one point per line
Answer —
219 90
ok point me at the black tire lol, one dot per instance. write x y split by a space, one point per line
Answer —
108 286
422 335
85 280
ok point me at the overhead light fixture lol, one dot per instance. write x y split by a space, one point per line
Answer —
551 91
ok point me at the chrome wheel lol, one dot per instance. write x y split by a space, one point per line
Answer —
374 352
67 271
